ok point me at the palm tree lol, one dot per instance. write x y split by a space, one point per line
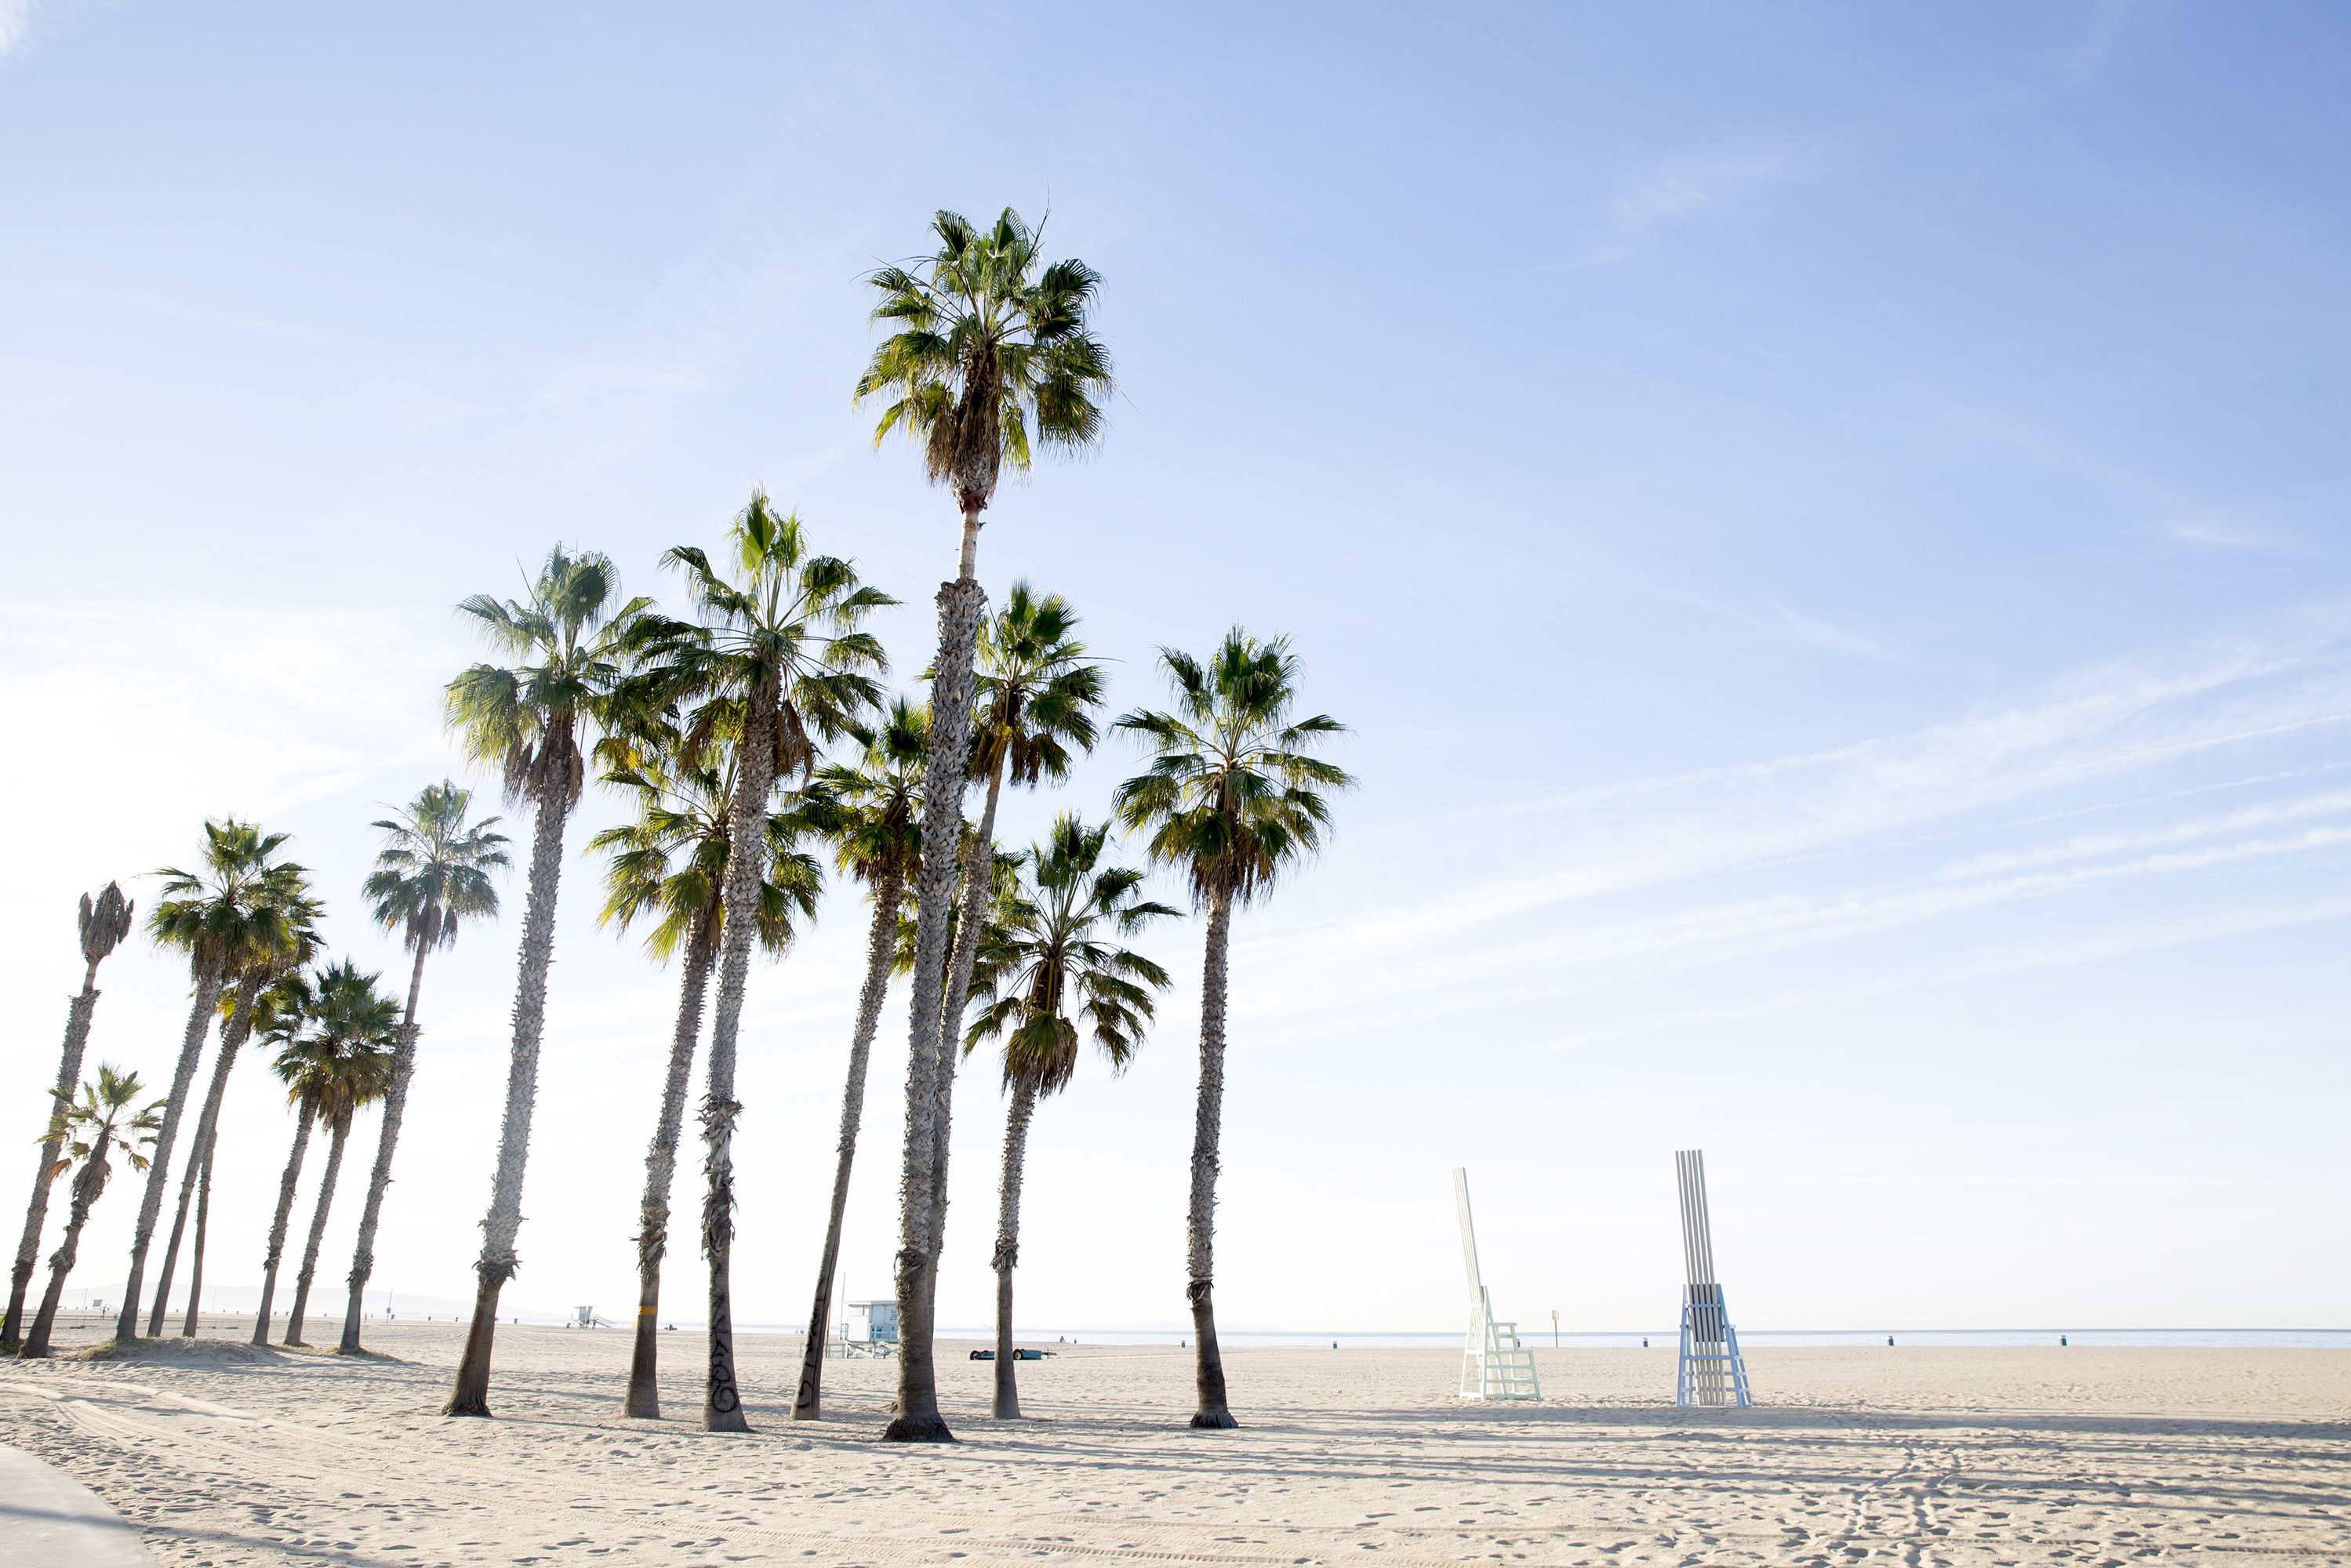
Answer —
1037 696
567 646
232 905
775 655
874 808
667 867
293 947
104 924
103 1120
355 1030
990 355
431 877
1052 963
1233 798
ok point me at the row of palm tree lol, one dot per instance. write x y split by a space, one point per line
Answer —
748 734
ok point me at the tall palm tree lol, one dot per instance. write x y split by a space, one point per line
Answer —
85 1130
566 647
431 877
775 655
1051 965
355 1028
104 924
1233 798
874 808
1037 694
295 946
232 905
667 868
991 354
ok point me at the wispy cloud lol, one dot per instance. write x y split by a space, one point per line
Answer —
1614 887
15 25
1679 190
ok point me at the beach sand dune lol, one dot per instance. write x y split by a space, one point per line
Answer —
1923 1456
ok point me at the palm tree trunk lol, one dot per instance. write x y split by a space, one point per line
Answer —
37 1213
979 869
916 1272
87 1185
395 1105
196 1258
747 853
286 1185
339 1131
1008 1243
660 1171
470 1396
808 1401
151 1206
1209 1367
199 1151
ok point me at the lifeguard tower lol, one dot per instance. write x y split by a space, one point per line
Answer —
1710 1372
1494 1366
870 1330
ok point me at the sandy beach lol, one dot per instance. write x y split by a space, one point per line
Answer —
1921 1456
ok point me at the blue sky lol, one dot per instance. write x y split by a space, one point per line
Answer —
1829 527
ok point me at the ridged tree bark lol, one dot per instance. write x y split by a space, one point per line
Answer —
209 980
807 1400
1008 1243
37 1213
978 867
286 1185
338 1132
395 1108
916 1272
661 1173
87 1184
722 1402
199 1171
196 1258
470 1396
1209 1365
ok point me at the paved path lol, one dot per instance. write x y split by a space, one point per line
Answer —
47 1518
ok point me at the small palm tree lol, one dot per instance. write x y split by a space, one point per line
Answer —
334 1032
1233 798
348 1053
104 924
665 868
103 1120
567 650
776 656
991 355
1051 969
295 945
1038 695
232 906
872 810
431 877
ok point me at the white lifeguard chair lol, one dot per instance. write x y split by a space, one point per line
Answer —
1711 1371
871 1329
1494 1365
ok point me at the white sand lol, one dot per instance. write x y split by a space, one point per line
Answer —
1921 1456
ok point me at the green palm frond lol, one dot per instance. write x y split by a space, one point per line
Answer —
334 1031
990 353
1232 795
566 656
1045 976
240 909
432 874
